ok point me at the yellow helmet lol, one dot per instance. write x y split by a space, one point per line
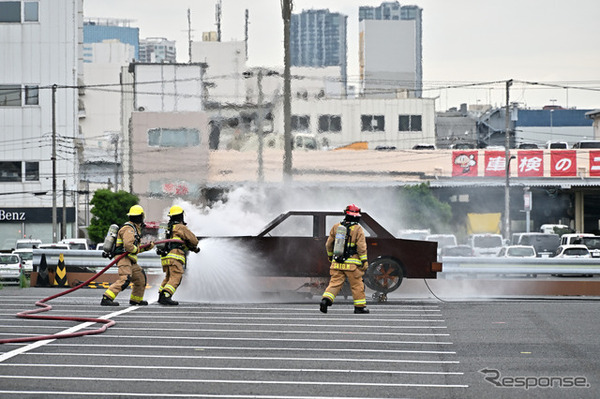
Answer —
175 210
136 210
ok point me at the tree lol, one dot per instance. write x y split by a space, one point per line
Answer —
424 211
109 208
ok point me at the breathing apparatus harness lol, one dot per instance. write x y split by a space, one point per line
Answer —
110 247
342 248
167 247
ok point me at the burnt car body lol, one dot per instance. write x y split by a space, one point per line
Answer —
293 245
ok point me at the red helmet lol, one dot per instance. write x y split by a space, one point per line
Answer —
352 210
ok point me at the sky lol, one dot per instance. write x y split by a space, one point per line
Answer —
548 47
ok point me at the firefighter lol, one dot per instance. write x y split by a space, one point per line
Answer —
128 240
174 255
352 264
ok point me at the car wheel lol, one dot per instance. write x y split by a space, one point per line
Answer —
384 275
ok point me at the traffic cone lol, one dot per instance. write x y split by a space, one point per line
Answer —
60 276
42 277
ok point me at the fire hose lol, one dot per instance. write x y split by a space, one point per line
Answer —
32 314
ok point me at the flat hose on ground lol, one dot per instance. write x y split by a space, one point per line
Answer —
31 314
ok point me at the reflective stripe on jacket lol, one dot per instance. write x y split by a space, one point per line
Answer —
188 241
357 241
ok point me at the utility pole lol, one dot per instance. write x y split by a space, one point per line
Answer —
53 158
189 16
259 124
218 18
286 11
63 227
507 159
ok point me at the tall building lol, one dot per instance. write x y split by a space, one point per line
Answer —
39 118
391 50
157 49
318 39
97 30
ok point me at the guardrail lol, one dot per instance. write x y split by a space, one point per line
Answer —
91 259
491 265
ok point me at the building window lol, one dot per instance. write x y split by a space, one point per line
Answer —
10 95
409 123
10 171
31 11
32 171
10 11
372 123
173 137
330 123
300 123
32 95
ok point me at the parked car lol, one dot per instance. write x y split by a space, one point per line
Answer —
443 240
75 243
10 267
26 255
414 234
575 238
456 250
517 251
527 146
572 251
545 244
557 145
486 244
593 244
587 144
554 228
27 243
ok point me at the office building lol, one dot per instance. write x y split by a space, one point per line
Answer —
157 49
98 30
318 39
390 50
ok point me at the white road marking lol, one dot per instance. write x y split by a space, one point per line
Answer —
346 341
253 358
262 349
247 382
258 369
37 344
178 395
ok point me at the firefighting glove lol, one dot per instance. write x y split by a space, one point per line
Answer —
330 258
364 267
149 246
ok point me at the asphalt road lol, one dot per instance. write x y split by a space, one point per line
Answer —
408 347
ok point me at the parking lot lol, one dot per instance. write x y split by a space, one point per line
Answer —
407 347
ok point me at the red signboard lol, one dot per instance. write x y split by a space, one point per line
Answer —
464 163
531 164
563 163
495 163
594 163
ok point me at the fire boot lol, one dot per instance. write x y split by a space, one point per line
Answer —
325 303
165 299
140 303
361 310
106 301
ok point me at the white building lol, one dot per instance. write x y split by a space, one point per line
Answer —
157 49
226 63
41 40
101 122
388 58
161 102
400 123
